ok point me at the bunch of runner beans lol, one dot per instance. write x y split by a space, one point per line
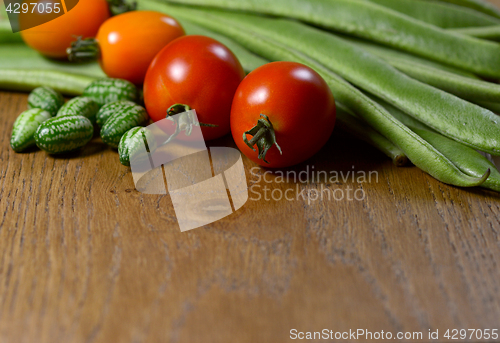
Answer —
413 78
57 127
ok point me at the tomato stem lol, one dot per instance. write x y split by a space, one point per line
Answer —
83 50
181 108
184 121
263 136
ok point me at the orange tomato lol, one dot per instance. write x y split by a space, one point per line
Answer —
54 37
129 42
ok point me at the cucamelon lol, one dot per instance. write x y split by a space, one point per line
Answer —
110 109
63 134
133 142
45 98
120 122
80 106
104 91
25 127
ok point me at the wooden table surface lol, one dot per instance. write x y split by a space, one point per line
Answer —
84 257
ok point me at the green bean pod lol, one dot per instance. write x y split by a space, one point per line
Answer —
25 127
478 5
27 80
459 119
462 85
20 56
398 114
132 143
47 99
24 69
357 128
6 34
466 159
421 153
82 106
489 32
389 54
248 60
440 14
374 22
492 106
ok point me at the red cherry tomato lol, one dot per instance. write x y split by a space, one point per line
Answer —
54 37
289 99
128 42
197 71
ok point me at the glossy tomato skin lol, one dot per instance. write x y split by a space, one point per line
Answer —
54 37
298 103
129 42
197 71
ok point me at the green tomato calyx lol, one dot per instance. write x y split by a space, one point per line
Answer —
184 120
83 50
263 136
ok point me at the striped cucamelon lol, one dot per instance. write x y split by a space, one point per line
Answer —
132 145
80 106
64 134
119 123
45 98
25 127
110 109
104 91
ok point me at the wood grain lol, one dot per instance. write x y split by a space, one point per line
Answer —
86 258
